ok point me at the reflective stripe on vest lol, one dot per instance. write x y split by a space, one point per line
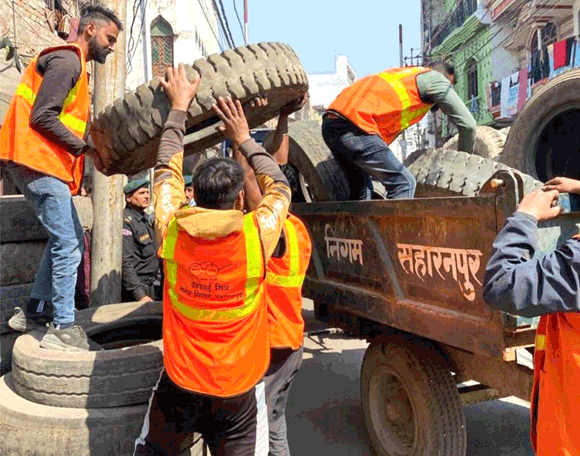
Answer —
253 289
74 123
407 116
294 278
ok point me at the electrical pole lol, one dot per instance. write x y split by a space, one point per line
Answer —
401 45
246 21
107 240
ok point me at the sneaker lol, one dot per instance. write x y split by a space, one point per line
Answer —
70 339
22 322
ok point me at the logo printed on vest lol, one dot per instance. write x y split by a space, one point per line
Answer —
207 270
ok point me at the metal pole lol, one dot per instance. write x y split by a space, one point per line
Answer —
106 248
246 21
401 45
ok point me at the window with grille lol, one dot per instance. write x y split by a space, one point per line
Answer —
472 82
161 46
549 34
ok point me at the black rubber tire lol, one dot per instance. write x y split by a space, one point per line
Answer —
425 416
20 261
12 296
309 154
111 378
560 95
7 341
127 132
489 143
31 429
441 172
413 156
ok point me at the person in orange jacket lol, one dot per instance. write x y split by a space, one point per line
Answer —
366 117
521 283
215 321
286 271
43 144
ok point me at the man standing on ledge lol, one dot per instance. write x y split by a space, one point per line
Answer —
141 265
367 116
42 142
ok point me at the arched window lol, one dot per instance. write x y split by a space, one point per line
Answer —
161 46
472 80
549 34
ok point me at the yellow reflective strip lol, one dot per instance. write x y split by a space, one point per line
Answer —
291 281
410 116
253 255
168 250
71 95
73 122
540 342
249 306
26 92
401 91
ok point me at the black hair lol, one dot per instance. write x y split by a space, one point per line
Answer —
217 183
91 13
446 69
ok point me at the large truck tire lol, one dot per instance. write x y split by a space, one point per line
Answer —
543 140
20 261
18 222
11 297
441 172
411 405
127 132
123 374
32 429
489 143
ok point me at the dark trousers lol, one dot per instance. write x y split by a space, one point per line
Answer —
284 364
235 426
361 156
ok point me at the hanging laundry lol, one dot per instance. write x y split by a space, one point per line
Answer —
514 88
544 63
576 58
523 90
559 54
570 43
505 93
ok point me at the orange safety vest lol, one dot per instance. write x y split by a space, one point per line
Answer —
215 320
555 410
284 280
19 143
384 104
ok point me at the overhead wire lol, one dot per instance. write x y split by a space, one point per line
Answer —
240 22
223 26
227 23
131 44
209 23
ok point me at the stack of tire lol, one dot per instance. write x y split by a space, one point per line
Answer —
86 403
22 243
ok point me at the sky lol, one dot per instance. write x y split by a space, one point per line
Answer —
366 31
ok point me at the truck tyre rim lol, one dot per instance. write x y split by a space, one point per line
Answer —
129 335
305 188
392 412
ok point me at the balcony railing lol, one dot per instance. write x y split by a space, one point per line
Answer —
456 19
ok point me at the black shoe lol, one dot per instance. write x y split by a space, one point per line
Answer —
22 322
70 339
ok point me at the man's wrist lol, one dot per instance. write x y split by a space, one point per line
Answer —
179 107
241 140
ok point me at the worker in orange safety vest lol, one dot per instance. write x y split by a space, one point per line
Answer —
286 270
43 144
366 117
215 320
522 283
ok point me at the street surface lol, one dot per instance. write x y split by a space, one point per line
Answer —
324 413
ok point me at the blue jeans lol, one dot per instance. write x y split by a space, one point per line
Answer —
361 156
57 274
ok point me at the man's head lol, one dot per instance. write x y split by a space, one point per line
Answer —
188 187
99 28
218 184
446 69
137 194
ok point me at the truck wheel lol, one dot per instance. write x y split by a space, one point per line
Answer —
27 428
313 171
543 140
20 261
127 132
489 142
123 374
410 403
441 172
